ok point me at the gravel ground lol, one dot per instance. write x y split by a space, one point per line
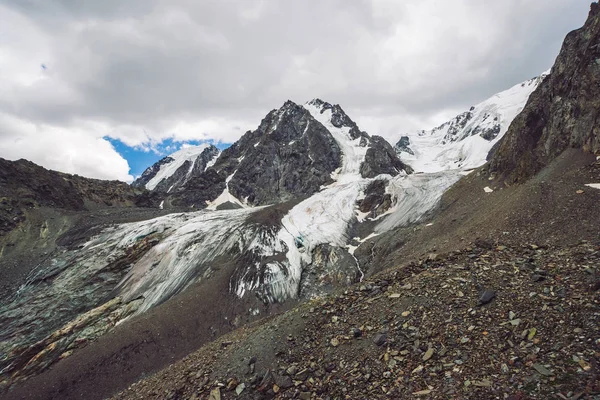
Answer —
487 322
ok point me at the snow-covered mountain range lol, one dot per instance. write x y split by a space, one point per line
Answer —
466 140
281 211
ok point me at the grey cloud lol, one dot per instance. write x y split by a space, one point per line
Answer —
153 63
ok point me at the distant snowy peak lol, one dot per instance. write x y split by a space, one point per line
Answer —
465 141
175 169
186 154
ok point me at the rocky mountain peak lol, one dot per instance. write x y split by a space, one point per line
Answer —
288 113
294 152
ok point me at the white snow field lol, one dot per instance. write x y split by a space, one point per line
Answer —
456 143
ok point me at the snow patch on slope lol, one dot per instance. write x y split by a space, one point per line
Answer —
179 157
415 195
225 197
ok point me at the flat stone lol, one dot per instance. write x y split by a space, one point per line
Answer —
487 296
215 394
542 370
428 354
284 382
240 388
380 339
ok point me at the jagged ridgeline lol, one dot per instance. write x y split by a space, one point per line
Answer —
292 154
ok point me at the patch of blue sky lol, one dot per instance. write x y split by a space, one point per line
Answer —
141 157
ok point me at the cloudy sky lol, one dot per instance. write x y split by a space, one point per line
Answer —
88 86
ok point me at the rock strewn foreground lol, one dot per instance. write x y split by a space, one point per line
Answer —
486 322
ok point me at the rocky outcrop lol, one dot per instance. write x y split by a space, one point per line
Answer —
376 200
382 159
563 112
403 145
332 267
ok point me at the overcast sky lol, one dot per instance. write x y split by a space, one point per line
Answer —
73 72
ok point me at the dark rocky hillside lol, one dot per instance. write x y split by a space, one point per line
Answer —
25 185
563 112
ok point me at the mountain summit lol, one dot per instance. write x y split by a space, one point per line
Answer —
295 151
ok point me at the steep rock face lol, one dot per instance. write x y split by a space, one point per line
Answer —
151 172
173 171
376 201
563 112
403 145
291 155
465 141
